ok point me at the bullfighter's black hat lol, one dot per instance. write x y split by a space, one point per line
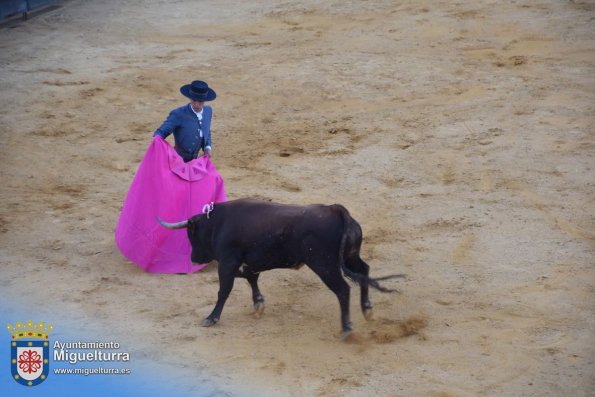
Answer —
198 91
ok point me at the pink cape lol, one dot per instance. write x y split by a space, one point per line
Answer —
165 187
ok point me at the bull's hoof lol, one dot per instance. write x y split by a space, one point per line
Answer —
353 338
208 322
368 314
258 309
346 335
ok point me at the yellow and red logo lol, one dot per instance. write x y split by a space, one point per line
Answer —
29 352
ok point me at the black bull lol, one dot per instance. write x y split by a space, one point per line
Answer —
249 236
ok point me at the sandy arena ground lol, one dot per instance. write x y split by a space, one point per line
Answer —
459 134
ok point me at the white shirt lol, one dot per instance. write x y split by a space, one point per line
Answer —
199 117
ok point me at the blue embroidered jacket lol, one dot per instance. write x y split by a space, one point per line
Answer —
185 126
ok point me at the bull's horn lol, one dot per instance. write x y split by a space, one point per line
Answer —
179 225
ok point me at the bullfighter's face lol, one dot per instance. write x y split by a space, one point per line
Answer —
197 106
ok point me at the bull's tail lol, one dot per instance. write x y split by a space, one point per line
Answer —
353 276
372 282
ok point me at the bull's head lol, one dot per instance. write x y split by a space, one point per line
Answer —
201 253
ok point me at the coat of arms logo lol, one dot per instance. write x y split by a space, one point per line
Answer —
29 352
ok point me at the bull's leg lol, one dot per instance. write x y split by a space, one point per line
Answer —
252 278
332 278
356 264
226 279
257 297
